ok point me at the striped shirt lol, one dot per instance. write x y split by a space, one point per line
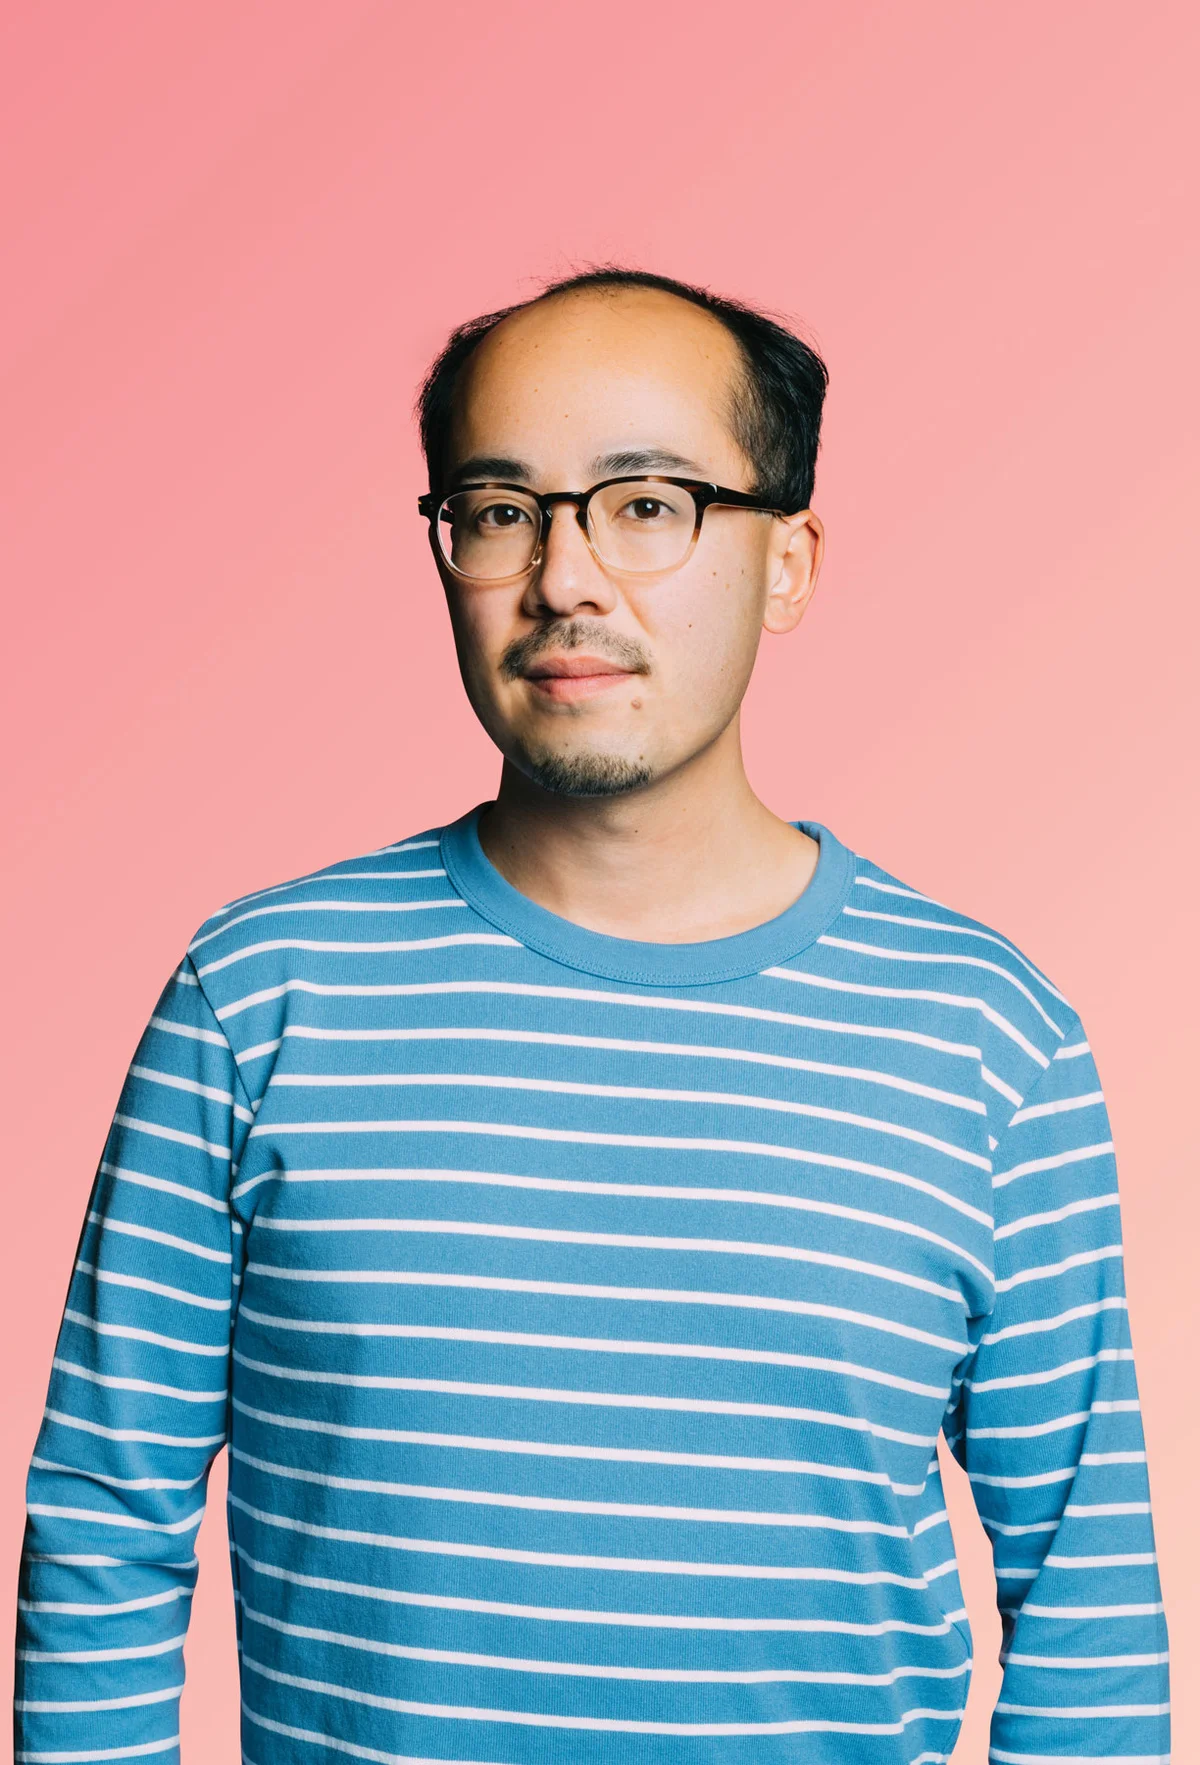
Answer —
580 1316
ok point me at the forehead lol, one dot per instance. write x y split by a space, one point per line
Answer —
596 368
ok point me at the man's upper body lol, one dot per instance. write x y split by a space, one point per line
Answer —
580 1220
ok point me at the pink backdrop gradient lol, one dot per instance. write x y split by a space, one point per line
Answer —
234 233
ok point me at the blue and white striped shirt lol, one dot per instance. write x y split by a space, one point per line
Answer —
580 1316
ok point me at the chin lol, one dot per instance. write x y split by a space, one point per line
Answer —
585 774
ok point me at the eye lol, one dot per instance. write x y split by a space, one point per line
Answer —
493 516
644 508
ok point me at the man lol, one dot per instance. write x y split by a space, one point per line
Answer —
613 1192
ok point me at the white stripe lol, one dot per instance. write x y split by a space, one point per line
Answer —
1087 1662
561 1560
1018 1532
89 1706
961 931
592 996
111 1382
141 1181
74 1609
110 1482
647 1093
189 1032
151 1074
614 1345
126 1229
585 1615
702 1051
97 1517
1081 1259
1036 1326
960 1001
594 1724
332 906
554 1504
1082 1365
144 1436
331 874
128 1333
1076 1419
578 1136
1103 1510
590 1670
957 961
81 1560
998 1084
1083 1712
332 1743
139 1752
636 1191
1122 1560
1027 1221
1149 1609
145 1652
582 1290
174 1134
626 1241
360 947
867 882
1063 1106
1073 1051
258 1050
142 1285
620 1454
1078 1758
1037 1480
1052 1163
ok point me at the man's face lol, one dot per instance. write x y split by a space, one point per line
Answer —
592 683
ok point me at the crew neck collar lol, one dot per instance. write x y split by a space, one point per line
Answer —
629 959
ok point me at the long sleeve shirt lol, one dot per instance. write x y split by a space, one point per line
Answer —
580 1316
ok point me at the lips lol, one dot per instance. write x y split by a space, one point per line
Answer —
568 678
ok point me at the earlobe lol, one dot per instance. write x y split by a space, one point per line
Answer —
796 558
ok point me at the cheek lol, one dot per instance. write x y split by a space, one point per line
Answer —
481 625
710 623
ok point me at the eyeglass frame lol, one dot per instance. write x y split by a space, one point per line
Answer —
704 494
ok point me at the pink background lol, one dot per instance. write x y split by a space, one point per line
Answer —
236 230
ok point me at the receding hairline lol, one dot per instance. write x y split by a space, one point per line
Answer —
740 366
772 408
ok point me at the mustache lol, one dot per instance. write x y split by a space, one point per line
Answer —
573 634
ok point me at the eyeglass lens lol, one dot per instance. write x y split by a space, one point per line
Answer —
492 534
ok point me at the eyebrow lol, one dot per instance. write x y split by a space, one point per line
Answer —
642 459
610 465
491 466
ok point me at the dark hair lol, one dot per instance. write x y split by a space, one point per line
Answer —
776 410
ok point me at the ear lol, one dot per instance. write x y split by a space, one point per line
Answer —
793 564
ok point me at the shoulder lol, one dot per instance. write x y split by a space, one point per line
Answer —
388 877
916 943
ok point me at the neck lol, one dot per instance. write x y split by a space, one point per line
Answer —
693 855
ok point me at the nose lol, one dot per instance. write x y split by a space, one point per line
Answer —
569 578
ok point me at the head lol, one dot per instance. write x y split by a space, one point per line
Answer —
594 677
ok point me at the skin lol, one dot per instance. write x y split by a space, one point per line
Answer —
573 667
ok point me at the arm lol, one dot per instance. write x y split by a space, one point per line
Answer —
1048 1427
136 1410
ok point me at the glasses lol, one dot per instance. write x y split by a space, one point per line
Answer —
495 532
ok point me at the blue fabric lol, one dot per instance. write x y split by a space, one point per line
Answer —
581 1316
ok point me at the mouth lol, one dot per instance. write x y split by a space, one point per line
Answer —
567 679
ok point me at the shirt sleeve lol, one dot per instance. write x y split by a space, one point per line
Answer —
136 1410
1047 1425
